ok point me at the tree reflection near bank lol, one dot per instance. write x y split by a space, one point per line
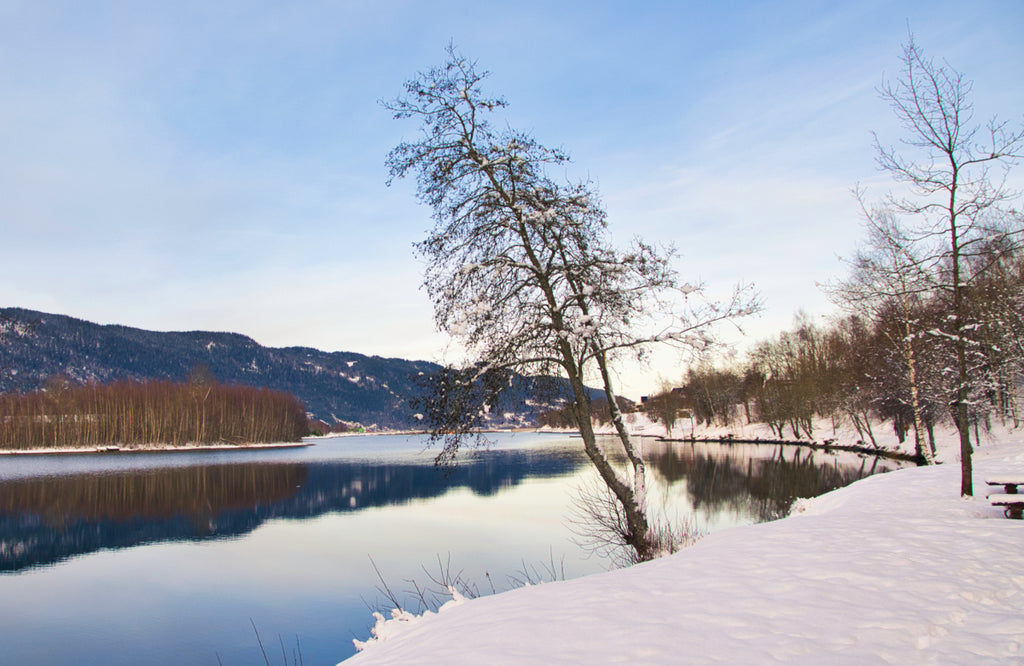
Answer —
759 480
699 487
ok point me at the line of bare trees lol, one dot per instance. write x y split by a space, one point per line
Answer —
895 364
888 360
126 413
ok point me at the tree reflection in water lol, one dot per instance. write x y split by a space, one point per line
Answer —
154 494
698 487
759 480
44 520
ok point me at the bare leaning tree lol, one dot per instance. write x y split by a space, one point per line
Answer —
522 272
953 208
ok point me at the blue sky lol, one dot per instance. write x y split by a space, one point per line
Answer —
220 165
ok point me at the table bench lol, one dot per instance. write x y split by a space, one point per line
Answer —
1009 498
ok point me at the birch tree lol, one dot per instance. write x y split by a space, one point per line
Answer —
887 280
522 272
954 197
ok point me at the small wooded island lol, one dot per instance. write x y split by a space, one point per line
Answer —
143 414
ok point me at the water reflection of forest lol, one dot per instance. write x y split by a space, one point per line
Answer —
151 494
47 519
760 479
44 520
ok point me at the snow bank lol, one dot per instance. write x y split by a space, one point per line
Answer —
896 568
401 619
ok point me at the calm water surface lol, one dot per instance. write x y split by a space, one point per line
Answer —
170 558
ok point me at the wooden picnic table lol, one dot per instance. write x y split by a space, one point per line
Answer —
1009 498
1009 483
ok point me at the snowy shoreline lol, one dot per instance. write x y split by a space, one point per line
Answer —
826 447
896 568
153 449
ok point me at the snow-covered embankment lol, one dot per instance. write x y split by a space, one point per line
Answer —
896 568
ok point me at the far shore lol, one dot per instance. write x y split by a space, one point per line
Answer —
310 440
153 448
381 433
753 435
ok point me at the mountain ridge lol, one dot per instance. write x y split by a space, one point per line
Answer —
335 386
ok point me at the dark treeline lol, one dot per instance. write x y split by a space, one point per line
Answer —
201 411
891 363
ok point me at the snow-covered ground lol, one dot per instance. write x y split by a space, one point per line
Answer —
896 568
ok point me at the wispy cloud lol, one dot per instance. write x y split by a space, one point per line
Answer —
220 165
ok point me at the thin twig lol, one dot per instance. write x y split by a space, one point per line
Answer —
260 641
387 590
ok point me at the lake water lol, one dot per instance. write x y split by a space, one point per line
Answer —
171 558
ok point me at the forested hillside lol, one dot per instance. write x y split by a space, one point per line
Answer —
335 386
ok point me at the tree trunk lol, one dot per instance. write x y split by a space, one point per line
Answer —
915 401
639 469
962 423
636 517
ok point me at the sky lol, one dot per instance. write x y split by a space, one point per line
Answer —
220 166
